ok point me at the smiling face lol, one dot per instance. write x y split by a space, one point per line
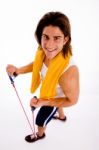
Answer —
52 41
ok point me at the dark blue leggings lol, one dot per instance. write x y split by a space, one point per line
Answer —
44 115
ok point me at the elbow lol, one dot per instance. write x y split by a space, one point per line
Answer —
74 100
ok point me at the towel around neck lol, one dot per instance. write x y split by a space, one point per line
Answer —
55 69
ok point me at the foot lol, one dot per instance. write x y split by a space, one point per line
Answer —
33 138
59 118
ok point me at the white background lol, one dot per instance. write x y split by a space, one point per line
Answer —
18 20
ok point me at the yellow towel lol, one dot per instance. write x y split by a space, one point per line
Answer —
55 68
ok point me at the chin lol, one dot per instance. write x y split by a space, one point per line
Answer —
50 55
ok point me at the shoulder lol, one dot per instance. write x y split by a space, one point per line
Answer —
69 81
70 73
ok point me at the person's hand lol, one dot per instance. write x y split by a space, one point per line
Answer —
11 70
33 102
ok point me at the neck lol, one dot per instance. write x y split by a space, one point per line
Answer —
47 61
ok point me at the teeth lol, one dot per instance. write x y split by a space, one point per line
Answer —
51 51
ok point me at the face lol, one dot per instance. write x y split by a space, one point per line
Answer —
52 41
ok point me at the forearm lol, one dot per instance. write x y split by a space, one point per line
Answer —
57 102
25 69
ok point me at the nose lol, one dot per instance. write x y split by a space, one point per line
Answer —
50 45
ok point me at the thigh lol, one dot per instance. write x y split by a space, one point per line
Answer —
44 115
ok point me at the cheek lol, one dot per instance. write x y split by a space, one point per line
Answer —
43 43
60 46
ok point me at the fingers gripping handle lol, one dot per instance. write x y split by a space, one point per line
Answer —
33 108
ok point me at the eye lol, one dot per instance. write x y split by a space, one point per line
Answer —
57 38
45 37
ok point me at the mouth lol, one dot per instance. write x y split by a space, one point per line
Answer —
51 54
51 50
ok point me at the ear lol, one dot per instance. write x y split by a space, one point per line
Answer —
66 40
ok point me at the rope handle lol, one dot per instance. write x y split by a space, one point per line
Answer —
12 77
33 107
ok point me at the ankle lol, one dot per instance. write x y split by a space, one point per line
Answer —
40 134
62 116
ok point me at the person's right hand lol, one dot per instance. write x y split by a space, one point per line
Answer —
11 69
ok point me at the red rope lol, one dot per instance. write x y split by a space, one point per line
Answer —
33 124
25 111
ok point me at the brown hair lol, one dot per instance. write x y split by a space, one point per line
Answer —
55 19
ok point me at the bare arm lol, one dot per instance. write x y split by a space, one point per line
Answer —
22 70
69 83
25 69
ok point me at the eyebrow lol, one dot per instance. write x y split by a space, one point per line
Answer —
57 36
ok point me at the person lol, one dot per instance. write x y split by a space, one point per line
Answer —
54 68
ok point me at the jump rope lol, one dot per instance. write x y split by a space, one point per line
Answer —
32 108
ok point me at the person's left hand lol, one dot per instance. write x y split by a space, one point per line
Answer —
38 102
33 102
